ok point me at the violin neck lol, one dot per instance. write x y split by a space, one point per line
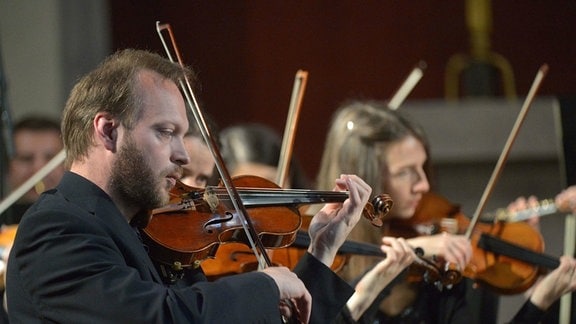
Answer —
348 247
289 197
497 246
351 247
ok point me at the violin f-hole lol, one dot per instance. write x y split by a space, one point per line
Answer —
215 221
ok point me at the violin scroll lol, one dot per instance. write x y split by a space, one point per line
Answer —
451 274
378 209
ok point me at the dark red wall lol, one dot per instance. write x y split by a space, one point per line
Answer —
246 53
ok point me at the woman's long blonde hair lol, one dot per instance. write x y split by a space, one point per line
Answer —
356 143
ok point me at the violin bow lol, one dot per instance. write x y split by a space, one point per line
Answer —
298 90
33 181
253 238
407 86
505 152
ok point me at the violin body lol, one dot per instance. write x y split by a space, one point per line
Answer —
498 272
7 235
432 214
235 258
196 222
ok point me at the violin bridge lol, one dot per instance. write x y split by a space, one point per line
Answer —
188 204
211 198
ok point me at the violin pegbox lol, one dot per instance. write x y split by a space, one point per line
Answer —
378 209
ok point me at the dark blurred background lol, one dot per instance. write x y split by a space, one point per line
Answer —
246 53
482 57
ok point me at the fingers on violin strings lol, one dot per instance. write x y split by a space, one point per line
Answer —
408 252
342 183
353 190
362 185
399 249
398 243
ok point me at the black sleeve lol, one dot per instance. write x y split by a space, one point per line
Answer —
344 317
529 313
329 292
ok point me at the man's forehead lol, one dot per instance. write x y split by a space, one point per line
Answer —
162 98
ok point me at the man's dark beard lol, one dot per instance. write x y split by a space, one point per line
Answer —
133 180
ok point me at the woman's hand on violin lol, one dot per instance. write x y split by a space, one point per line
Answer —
399 255
566 200
449 247
291 289
332 224
555 284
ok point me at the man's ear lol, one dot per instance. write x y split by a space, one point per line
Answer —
106 130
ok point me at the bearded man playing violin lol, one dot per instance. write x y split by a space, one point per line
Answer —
77 257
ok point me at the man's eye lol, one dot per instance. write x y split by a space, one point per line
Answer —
166 132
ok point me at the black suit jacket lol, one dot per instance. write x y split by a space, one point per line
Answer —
76 259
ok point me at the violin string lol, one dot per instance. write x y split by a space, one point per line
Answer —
257 197
297 195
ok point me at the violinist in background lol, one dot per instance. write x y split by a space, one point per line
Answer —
200 171
254 149
36 141
123 128
390 153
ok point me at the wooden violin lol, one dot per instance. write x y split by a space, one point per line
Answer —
7 235
234 258
196 221
507 257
